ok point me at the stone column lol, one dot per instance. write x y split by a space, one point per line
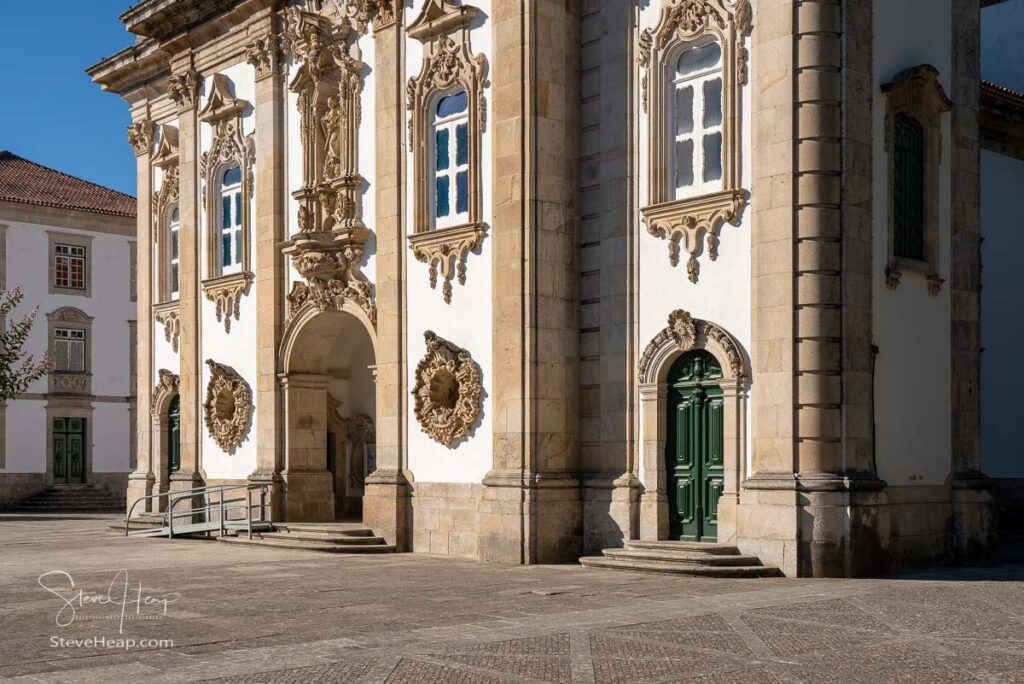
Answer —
269 228
530 508
309 485
141 481
385 497
974 518
184 85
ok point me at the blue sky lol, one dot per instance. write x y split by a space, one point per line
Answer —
50 112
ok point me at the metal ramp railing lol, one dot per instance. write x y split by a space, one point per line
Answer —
225 500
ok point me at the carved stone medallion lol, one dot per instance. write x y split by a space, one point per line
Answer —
448 391
228 407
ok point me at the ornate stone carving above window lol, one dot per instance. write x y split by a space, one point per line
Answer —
449 66
168 315
264 54
140 136
166 388
684 333
448 392
183 88
228 406
915 103
330 263
694 220
229 148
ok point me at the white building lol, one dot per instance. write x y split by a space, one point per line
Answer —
70 246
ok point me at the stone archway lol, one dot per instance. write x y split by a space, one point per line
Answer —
163 394
327 385
684 334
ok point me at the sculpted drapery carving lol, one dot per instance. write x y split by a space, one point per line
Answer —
448 64
328 249
228 406
693 223
448 392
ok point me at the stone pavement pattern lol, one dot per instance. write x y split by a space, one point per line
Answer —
252 615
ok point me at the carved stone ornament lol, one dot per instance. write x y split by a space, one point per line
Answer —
693 223
183 88
264 54
168 315
330 264
228 407
140 136
166 387
358 14
226 293
445 249
685 333
448 64
448 392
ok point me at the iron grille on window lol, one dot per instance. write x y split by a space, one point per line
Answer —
908 190
69 266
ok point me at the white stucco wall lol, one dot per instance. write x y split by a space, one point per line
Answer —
722 293
1002 315
108 344
465 322
237 347
911 328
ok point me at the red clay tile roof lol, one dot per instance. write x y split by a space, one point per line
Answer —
25 181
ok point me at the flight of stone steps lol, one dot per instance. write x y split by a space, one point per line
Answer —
83 498
323 537
681 558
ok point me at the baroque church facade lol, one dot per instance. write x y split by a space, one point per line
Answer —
519 280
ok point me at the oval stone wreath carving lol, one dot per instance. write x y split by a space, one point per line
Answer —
448 391
228 405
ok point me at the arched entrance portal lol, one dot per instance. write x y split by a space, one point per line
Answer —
329 413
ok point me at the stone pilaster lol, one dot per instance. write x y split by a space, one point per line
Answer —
309 486
269 229
386 494
142 479
531 510
184 87
974 519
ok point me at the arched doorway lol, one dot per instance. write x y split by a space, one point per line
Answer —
174 435
165 457
694 462
330 401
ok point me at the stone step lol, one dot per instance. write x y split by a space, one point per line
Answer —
670 545
682 557
347 529
307 545
324 538
742 571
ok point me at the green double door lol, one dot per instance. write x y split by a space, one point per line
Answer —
68 450
174 435
694 447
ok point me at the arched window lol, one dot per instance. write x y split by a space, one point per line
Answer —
696 120
908 188
231 220
450 142
173 232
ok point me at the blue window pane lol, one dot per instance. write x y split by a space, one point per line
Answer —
441 196
698 59
712 102
238 209
226 249
174 277
225 214
441 143
238 246
232 176
174 244
452 104
461 192
684 110
461 144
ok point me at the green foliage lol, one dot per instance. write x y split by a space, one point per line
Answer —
18 370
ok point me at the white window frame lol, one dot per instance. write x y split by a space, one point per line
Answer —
173 245
70 253
699 132
234 193
64 341
451 124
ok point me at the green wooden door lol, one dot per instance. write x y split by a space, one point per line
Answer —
174 435
694 447
68 450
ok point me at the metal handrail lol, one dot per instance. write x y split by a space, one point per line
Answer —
223 505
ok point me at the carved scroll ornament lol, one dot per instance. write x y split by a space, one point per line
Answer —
448 391
228 407
685 333
166 387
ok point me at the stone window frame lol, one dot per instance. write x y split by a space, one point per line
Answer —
164 202
70 382
917 94
229 147
684 334
449 66
74 240
693 222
